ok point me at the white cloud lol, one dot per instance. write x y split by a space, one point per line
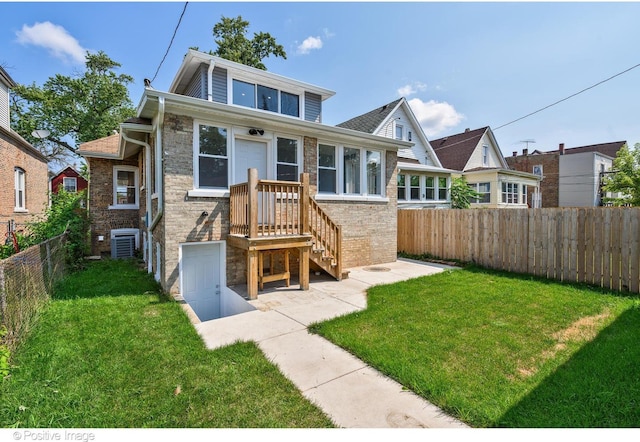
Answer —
54 38
435 117
410 89
308 44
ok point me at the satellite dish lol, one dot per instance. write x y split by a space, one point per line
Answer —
41 133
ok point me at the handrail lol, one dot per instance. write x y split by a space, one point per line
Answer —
327 234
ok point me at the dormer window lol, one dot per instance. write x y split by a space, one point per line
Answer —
399 132
266 98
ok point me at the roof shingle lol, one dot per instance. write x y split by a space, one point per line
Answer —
370 121
454 151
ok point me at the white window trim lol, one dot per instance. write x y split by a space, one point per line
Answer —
70 178
197 191
334 168
423 188
115 205
20 184
270 84
485 155
274 145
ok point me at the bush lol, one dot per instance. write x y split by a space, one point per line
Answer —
66 212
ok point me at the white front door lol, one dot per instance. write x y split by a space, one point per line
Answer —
250 154
201 276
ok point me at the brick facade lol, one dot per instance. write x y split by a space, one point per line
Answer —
17 153
549 186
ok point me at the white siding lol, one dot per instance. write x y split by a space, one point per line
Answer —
419 151
579 178
4 106
494 159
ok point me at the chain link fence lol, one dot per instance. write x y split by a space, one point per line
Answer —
26 282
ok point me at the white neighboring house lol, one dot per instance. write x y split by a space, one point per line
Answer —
422 181
477 154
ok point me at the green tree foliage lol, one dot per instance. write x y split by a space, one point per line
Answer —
461 194
230 36
625 177
74 109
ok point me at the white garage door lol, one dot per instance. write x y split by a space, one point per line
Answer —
202 268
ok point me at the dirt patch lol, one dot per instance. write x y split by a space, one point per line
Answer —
583 330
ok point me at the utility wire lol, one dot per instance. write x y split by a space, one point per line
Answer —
171 42
570 96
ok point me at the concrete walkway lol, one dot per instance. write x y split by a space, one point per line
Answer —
351 393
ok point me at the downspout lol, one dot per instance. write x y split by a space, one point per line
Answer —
147 166
212 64
159 174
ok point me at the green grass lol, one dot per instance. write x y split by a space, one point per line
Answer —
110 352
500 350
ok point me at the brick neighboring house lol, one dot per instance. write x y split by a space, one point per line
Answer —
23 169
571 177
422 181
180 172
477 154
69 179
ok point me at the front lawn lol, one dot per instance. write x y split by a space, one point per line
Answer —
111 352
501 350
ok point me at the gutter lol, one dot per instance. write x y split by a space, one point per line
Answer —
159 125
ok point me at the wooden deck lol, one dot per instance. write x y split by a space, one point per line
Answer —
270 218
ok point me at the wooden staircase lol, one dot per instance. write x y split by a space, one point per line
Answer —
267 216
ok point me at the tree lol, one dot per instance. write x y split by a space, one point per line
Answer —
462 194
230 36
74 109
624 178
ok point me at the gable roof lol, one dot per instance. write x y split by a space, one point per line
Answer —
454 151
609 149
370 121
106 146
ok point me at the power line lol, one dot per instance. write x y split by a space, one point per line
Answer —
171 42
570 96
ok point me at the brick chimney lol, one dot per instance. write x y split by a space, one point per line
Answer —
561 149
515 154
525 152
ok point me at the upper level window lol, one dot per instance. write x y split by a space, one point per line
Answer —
20 197
213 158
399 132
125 187
327 170
485 155
258 96
289 104
70 184
287 164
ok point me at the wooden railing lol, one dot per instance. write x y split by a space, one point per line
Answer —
326 233
269 208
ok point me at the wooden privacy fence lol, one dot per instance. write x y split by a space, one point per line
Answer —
599 246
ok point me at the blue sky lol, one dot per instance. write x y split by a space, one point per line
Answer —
461 65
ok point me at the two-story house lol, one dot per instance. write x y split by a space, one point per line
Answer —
422 181
477 154
23 169
571 177
233 167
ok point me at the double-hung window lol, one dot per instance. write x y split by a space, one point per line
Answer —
484 189
125 187
485 155
510 193
430 188
374 172
213 158
402 189
414 186
287 159
70 184
524 194
442 188
327 170
399 132
20 197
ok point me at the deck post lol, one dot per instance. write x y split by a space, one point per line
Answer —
303 275
304 204
252 204
252 273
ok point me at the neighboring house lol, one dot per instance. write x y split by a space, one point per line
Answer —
174 182
477 154
23 169
570 177
422 181
68 179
